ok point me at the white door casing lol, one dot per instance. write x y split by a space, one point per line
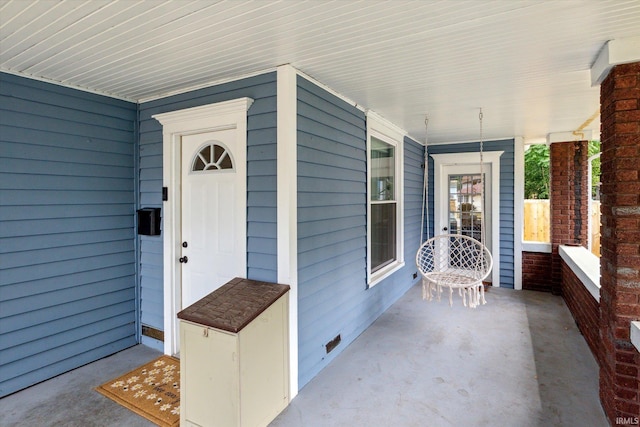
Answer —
469 163
222 116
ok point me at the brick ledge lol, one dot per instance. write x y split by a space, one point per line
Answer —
585 265
528 246
635 334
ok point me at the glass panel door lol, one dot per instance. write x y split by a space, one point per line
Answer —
465 205
457 201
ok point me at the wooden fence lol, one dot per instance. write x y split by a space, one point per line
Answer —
537 222
595 227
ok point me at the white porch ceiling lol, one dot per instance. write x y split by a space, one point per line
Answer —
526 63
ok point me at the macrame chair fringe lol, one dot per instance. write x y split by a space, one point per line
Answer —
474 294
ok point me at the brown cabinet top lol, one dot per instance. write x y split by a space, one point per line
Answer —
234 305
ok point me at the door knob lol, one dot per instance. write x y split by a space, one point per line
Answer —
185 244
445 229
183 260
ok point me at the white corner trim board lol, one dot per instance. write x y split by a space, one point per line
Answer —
518 210
585 265
287 206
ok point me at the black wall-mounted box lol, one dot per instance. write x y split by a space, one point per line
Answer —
149 221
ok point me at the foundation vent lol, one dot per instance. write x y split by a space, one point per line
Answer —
333 343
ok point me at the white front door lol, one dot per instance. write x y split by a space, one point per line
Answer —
213 229
457 199
212 218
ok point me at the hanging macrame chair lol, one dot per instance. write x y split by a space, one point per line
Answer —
454 261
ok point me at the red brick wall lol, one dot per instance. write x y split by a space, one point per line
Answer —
620 242
536 271
584 308
569 199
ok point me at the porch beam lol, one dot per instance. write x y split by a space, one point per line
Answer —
614 52
583 135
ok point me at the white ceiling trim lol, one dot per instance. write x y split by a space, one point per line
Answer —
331 91
70 86
205 85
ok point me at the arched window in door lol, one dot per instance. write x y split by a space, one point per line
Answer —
212 157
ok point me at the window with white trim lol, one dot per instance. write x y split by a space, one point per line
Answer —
385 225
594 197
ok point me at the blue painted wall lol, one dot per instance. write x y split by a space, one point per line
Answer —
67 278
261 184
332 222
506 262
68 196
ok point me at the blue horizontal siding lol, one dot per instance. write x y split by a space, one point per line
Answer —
332 222
70 356
261 182
67 287
507 161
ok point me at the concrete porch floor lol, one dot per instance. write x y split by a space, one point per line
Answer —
517 361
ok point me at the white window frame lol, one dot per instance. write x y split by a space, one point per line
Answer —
590 224
383 130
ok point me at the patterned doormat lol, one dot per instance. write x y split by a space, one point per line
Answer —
152 391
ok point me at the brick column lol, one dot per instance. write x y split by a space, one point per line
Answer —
569 200
620 242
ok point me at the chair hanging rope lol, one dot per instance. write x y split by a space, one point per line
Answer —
454 261
425 180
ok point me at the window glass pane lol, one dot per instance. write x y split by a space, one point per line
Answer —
198 164
225 162
382 157
465 205
217 152
383 234
206 153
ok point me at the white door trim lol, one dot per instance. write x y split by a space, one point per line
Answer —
175 124
440 195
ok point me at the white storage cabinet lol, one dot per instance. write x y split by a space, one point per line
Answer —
234 356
